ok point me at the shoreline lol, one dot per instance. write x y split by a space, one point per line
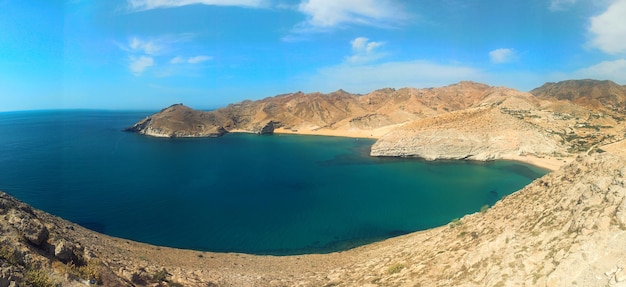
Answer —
334 133
546 162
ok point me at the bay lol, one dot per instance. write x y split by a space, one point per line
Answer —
280 194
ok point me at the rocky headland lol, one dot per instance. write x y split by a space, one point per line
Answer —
567 228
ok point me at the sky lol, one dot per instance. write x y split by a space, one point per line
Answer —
149 54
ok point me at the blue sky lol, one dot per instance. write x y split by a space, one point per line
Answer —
148 54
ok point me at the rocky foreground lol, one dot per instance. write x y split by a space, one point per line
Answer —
567 228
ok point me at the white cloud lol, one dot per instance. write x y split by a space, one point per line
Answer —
190 60
149 47
141 53
607 70
325 14
198 59
177 60
358 74
366 78
141 5
560 5
139 64
614 70
364 50
609 29
502 55
145 54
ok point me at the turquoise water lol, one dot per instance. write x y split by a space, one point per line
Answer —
238 193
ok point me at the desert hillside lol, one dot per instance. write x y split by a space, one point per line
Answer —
299 112
466 120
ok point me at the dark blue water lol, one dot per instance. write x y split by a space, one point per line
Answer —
242 193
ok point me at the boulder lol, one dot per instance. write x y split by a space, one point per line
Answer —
267 129
29 226
65 252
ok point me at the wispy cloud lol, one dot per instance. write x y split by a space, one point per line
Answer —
364 50
190 60
560 5
139 64
149 47
357 73
502 55
152 54
141 5
418 73
323 15
609 29
610 70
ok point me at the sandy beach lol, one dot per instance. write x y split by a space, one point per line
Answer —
550 163
353 133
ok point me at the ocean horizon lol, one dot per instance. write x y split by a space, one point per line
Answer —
270 194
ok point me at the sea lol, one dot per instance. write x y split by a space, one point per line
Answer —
257 194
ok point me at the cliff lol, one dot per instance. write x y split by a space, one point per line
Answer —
497 128
567 228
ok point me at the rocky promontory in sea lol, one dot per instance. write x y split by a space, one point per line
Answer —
466 120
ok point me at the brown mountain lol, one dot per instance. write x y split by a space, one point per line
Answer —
337 111
588 93
466 120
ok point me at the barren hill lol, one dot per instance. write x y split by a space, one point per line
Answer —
299 112
497 127
603 95
466 120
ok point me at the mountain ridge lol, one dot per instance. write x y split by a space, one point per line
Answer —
554 122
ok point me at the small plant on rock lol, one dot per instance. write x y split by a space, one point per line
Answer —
455 222
484 208
395 268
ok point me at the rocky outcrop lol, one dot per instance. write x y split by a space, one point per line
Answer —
179 121
266 129
474 134
28 225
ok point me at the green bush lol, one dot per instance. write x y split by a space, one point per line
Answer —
9 254
455 222
484 208
393 269
39 278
